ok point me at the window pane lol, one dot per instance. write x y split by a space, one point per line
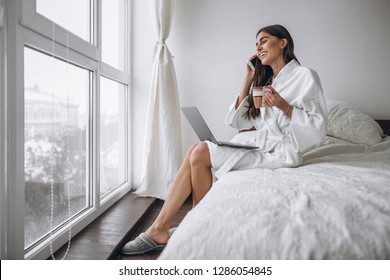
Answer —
55 149
73 15
112 135
113 33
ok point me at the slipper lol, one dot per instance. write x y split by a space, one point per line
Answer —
141 245
171 231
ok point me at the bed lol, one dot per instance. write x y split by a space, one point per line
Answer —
335 206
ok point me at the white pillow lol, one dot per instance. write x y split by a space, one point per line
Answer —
350 124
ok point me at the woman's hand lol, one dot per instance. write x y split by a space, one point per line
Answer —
273 98
250 73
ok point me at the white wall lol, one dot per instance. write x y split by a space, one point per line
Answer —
346 41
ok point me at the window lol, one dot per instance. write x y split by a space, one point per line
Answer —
112 135
55 149
113 28
75 97
61 12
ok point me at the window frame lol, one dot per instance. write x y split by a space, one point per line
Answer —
28 28
3 133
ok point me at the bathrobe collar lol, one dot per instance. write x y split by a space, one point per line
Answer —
288 68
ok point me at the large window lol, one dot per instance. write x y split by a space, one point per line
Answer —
75 161
55 137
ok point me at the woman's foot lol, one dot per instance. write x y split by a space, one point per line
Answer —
152 240
158 235
141 245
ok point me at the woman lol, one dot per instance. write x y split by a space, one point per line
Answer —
293 120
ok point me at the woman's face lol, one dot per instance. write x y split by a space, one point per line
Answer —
269 48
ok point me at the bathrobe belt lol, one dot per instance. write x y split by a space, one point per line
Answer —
234 158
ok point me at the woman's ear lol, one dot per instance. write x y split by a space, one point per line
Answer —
284 43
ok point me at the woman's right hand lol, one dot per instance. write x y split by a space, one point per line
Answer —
250 73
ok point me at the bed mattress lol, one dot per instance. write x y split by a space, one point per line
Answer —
335 206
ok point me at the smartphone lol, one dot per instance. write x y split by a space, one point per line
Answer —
252 63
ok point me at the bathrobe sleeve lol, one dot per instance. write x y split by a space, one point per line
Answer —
235 118
308 123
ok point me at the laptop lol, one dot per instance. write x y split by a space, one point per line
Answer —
204 133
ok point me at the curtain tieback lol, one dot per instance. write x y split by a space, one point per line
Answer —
161 42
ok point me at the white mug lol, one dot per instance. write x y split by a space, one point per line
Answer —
258 93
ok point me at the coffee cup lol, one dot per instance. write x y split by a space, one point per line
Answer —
258 93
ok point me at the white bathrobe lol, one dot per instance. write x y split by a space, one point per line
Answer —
281 140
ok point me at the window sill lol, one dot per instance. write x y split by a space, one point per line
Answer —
104 237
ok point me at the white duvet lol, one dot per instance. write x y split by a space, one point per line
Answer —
335 206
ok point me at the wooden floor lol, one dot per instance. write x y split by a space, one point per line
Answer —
179 217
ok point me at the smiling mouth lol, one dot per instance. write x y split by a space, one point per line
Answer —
262 55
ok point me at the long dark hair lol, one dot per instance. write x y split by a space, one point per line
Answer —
264 73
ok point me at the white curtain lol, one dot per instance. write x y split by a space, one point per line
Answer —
163 144
1 13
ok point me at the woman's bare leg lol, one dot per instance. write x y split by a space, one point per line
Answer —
201 176
177 194
197 161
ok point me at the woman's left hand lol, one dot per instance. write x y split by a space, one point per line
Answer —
272 98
